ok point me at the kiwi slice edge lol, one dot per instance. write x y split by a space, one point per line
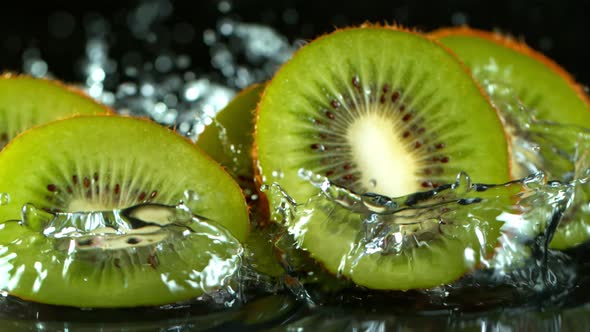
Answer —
27 101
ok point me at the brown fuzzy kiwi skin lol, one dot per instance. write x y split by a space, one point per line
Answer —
519 46
58 83
395 27
185 139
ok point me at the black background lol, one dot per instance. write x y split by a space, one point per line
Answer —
559 28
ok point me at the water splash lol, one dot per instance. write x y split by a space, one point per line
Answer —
106 258
4 198
558 150
510 227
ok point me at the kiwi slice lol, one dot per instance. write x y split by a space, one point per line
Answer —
27 101
542 86
106 163
540 83
229 138
383 110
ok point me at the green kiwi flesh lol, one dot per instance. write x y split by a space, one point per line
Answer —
95 163
379 110
145 267
26 102
229 138
538 82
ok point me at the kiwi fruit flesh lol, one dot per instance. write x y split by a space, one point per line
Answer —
27 101
383 110
229 138
104 163
539 83
118 267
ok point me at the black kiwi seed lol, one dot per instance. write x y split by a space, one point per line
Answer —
133 241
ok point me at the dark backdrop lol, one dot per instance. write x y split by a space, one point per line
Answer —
559 28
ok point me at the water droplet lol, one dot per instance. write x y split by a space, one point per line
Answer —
184 127
160 108
190 199
163 63
4 199
209 37
195 89
224 6
183 61
97 74
37 68
277 174
147 89
226 27
95 90
35 218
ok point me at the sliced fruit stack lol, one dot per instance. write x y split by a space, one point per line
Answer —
373 109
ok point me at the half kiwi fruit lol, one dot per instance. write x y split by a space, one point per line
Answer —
387 111
27 101
513 70
142 249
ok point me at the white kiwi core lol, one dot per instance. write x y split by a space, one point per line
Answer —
82 205
387 166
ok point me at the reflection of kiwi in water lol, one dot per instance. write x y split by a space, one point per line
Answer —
388 111
541 85
27 101
95 163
